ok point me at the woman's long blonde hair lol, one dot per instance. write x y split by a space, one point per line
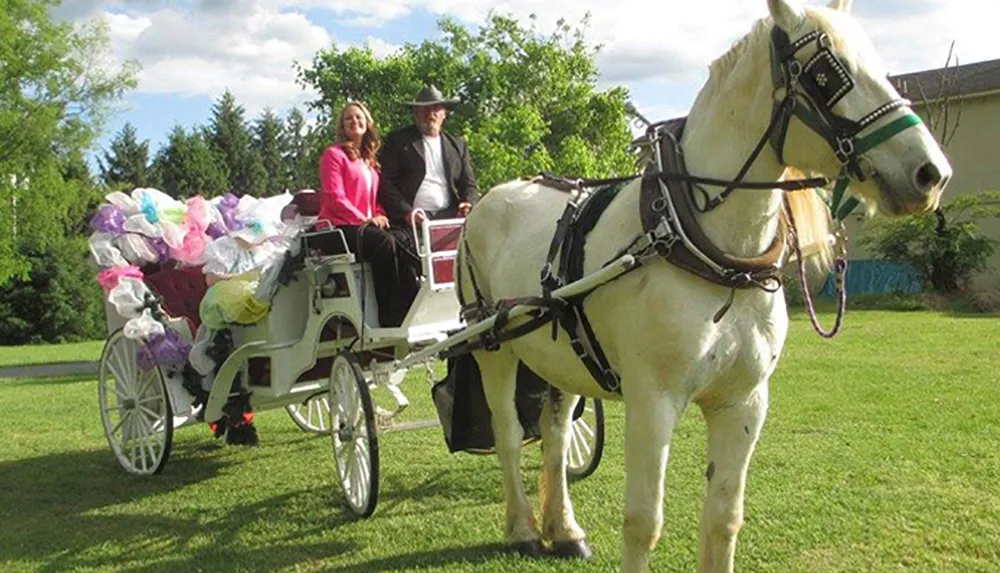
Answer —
370 141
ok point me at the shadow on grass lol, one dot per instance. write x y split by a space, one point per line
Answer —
472 555
79 510
45 500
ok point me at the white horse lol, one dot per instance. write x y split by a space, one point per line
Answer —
656 323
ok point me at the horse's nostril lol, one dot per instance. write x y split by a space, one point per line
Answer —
927 176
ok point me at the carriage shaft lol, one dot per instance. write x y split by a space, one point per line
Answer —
611 271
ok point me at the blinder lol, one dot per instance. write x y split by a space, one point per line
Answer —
809 92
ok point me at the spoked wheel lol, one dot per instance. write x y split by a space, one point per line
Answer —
586 439
135 408
313 416
352 426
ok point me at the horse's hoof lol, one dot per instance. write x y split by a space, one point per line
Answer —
571 549
531 548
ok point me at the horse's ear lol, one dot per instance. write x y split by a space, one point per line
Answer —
841 5
787 16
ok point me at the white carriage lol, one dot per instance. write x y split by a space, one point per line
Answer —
318 353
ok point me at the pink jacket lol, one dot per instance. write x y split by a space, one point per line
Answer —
345 197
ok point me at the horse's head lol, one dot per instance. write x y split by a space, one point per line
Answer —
843 114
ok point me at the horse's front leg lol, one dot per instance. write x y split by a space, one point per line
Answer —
733 429
499 373
650 417
558 521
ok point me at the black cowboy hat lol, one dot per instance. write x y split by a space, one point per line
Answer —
430 95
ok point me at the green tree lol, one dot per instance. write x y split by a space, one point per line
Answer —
298 152
186 166
229 136
529 100
56 92
268 144
126 165
56 301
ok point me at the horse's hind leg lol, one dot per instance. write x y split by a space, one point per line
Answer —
499 372
558 521
733 429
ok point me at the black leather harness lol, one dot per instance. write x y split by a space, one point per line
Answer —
668 208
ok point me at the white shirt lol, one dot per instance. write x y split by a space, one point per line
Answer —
433 192
366 173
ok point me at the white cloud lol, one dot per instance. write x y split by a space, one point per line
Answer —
245 47
248 46
380 47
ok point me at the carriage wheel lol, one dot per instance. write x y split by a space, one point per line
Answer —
135 408
313 416
352 426
586 440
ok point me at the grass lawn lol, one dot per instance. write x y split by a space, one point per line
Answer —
881 453
43 354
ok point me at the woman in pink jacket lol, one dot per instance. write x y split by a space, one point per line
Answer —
349 177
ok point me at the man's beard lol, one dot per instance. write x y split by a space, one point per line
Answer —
428 128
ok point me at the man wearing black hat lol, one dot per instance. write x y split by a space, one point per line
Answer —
424 169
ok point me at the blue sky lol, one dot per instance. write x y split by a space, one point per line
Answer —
192 50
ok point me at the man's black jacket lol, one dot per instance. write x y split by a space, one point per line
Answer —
403 169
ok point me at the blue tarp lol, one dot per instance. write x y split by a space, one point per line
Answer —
877 277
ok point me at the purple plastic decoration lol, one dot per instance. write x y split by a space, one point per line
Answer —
227 208
109 219
215 230
164 350
160 247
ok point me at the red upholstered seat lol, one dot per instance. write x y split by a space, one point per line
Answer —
445 237
182 290
304 203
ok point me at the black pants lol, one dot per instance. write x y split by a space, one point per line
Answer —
395 266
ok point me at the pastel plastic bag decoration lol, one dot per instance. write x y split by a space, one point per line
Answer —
164 349
226 207
111 276
192 247
143 327
160 247
104 252
262 217
128 297
141 225
232 301
228 256
135 249
127 204
198 357
109 219
215 230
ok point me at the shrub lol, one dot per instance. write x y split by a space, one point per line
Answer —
945 247
60 301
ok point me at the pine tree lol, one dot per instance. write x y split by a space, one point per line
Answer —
126 166
186 166
267 144
301 161
229 136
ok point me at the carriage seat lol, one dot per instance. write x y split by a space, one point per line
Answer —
181 291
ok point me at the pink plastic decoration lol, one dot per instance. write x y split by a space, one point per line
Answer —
111 276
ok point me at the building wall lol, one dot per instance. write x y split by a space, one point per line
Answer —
975 158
